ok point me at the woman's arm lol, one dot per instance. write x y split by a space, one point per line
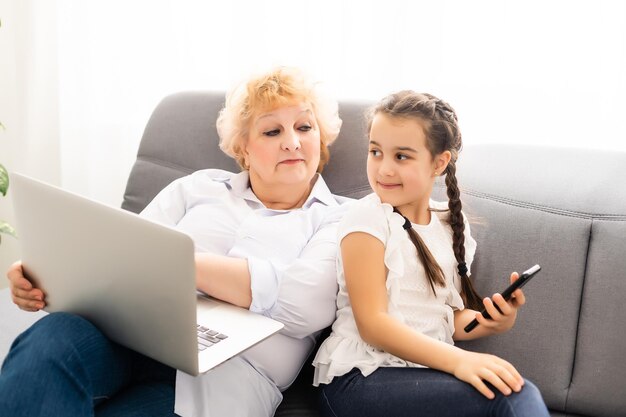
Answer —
224 278
365 272
300 293
306 295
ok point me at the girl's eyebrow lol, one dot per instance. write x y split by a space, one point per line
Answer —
397 148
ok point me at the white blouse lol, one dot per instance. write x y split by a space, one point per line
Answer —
291 256
411 299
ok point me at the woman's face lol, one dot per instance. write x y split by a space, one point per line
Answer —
283 146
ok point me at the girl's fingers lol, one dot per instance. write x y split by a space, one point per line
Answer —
491 309
502 304
511 369
482 388
520 298
484 322
509 379
495 379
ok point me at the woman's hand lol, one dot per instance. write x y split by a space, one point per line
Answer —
476 368
503 317
23 293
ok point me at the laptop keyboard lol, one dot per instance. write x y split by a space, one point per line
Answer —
208 337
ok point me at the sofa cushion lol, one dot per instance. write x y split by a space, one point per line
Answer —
560 208
599 369
180 138
515 237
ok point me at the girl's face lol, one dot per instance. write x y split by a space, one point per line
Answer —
283 146
400 168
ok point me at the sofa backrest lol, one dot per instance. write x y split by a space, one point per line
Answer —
564 209
181 138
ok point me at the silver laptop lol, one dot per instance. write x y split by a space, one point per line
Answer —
131 277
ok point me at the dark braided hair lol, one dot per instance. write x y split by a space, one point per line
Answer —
440 124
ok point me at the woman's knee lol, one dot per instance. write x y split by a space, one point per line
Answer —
54 335
61 326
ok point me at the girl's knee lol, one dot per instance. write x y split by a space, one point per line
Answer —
531 391
527 402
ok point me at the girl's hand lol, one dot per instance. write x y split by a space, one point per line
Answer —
503 317
476 368
23 293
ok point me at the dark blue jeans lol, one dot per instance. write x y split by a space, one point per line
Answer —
420 392
64 366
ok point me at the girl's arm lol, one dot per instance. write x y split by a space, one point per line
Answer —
365 272
500 322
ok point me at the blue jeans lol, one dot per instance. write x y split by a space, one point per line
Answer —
416 392
64 366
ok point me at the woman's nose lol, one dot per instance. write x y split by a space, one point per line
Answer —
291 141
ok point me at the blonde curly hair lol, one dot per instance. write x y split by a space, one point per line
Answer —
278 87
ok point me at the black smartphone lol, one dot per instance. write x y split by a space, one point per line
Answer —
519 283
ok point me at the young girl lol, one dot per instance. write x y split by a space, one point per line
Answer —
404 288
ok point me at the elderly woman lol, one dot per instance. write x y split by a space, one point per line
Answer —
265 240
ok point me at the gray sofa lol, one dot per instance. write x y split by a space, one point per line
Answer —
564 209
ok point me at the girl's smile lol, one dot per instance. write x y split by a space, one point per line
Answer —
389 186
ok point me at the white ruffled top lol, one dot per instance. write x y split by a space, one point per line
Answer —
411 299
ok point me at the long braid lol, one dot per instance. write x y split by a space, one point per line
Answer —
468 292
431 267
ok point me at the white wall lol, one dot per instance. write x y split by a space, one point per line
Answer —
28 102
79 78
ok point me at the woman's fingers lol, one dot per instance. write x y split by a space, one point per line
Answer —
26 300
23 294
33 294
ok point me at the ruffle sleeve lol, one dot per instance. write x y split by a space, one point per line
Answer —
338 355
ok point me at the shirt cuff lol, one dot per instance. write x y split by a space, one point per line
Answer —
263 284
